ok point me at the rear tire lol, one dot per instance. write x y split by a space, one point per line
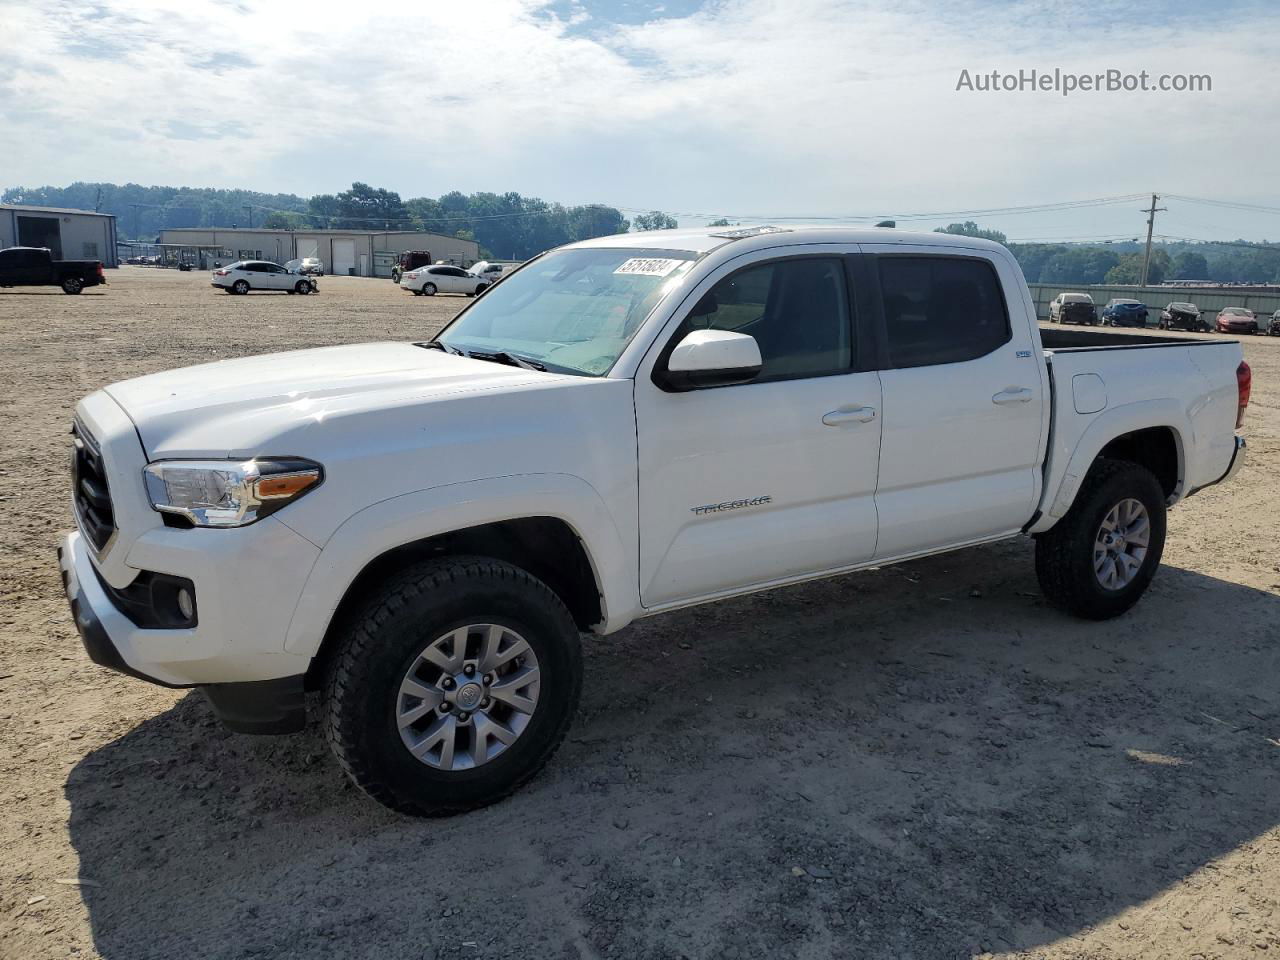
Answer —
428 289
72 285
240 286
382 653
1070 554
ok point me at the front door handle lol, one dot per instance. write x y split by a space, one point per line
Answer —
1012 395
849 415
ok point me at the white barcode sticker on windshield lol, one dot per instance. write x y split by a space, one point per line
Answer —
649 266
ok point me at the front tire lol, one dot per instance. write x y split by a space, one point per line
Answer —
1098 560
303 287
413 709
72 285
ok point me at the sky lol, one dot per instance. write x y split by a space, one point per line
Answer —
757 111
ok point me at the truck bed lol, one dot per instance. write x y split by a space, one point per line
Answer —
1109 384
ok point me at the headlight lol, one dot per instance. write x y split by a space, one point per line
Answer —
225 493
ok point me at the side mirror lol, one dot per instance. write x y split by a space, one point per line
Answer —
712 358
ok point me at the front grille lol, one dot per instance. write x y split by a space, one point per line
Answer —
90 493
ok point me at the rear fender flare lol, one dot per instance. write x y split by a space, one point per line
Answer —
1109 425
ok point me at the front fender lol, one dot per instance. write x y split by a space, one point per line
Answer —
410 517
1069 465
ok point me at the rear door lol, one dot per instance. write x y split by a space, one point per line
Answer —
965 399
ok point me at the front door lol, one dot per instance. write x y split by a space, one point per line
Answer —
964 400
768 480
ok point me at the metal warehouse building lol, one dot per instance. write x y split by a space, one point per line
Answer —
360 253
69 234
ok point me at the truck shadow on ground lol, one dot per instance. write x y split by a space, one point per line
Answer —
921 761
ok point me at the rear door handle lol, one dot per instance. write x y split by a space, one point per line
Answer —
849 415
1012 395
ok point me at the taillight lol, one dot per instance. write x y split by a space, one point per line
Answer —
100 273
219 273
1244 384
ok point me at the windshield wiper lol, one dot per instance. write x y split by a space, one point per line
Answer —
510 359
441 345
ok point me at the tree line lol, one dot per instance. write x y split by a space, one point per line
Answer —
506 225
1237 261
515 227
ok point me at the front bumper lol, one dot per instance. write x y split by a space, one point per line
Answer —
230 676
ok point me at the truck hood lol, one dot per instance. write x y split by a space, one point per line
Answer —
233 407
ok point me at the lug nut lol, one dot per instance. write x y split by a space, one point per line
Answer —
469 669
446 707
464 717
488 679
448 683
484 704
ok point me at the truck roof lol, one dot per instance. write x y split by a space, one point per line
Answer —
705 239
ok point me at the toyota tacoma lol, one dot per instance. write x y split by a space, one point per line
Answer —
622 427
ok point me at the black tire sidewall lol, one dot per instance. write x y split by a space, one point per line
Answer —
370 718
428 289
240 286
1131 481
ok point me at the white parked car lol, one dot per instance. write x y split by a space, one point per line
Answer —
245 275
624 426
312 267
442 278
493 270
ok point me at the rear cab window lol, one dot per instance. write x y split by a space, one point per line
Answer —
940 309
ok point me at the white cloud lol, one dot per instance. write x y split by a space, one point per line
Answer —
750 106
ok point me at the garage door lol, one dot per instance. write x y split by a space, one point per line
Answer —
41 232
344 257
308 248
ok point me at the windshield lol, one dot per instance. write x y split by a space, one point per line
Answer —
574 311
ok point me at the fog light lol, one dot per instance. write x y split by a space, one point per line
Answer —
186 604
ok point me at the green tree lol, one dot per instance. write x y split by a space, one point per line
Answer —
1189 265
971 229
282 220
1129 269
722 222
655 220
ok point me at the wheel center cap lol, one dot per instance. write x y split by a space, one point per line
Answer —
469 696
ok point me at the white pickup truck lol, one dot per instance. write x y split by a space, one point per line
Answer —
623 426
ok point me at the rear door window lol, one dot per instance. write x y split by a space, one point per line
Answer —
941 309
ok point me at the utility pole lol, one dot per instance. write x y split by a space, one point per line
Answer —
1151 221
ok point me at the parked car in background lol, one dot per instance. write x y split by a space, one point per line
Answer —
1181 316
410 260
487 271
1073 308
35 267
442 278
1236 320
245 275
311 267
1274 329
493 270
1124 313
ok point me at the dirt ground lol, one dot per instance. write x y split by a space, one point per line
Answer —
923 761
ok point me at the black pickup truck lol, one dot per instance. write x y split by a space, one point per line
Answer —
35 267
